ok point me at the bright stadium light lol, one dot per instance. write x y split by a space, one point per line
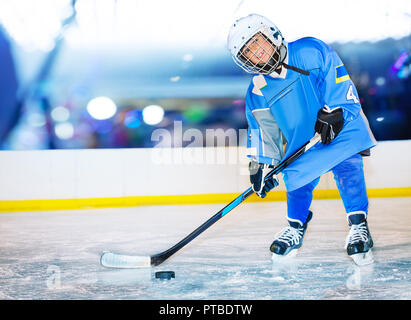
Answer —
101 108
112 23
60 114
153 114
64 130
34 25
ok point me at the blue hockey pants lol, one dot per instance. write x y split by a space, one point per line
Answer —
349 177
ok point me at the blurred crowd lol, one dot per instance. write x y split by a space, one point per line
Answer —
41 120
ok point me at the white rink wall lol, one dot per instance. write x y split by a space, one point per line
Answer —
100 173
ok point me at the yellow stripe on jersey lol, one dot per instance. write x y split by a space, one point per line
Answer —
341 74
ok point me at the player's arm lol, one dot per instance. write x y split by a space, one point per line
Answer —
260 163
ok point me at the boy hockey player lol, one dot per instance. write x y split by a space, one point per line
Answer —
300 88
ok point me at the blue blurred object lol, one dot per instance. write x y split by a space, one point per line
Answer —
132 119
9 106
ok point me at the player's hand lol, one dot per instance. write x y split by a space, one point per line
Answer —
258 171
329 123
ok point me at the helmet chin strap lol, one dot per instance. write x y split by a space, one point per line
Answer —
282 63
307 73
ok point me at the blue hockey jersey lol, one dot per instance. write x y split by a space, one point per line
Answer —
283 108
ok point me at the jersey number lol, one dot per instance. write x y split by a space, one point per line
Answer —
351 95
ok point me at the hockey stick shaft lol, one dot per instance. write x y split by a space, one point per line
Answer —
162 256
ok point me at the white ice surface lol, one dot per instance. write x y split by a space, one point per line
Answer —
55 255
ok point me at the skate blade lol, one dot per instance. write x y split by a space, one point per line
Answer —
277 258
363 259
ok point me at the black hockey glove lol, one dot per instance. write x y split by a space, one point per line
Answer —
258 171
329 123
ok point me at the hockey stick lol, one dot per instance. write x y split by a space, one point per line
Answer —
113 260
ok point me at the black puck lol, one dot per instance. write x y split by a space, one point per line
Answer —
167 275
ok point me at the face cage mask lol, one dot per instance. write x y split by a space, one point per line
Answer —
262 68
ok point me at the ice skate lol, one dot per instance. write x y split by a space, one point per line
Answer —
359 241
289 240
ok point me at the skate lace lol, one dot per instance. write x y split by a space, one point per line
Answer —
289 235
358 232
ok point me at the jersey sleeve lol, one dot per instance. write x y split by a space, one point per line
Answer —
337 88
264 140
254 139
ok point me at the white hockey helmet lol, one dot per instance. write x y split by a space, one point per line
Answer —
243 30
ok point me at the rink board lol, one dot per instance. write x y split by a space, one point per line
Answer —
99 178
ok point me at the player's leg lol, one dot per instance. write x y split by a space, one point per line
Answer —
349 177
288 240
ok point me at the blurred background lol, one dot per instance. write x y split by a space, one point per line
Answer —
106 73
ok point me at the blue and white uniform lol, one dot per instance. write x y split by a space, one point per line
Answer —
283 108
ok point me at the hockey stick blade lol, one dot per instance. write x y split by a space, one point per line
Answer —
112 260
